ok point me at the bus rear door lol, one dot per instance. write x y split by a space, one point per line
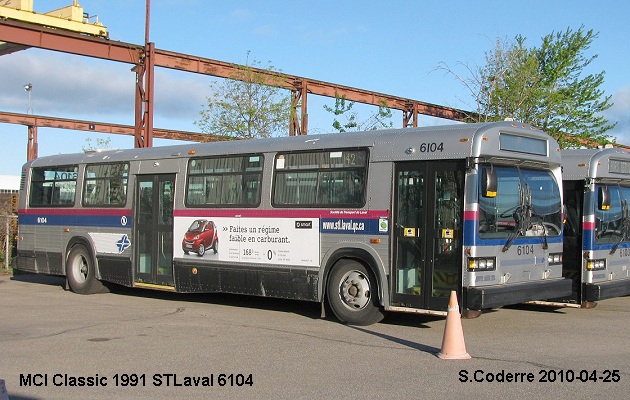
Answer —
154 229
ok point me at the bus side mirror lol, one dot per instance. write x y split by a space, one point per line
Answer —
603 198
488 183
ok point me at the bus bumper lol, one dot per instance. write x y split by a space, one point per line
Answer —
606 290
478 298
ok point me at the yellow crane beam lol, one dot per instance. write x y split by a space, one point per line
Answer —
70 18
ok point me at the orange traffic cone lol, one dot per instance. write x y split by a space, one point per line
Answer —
453 346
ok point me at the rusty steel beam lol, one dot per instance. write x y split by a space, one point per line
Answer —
144 97
103 127
206 66
31 144
8 48
35 121
32 35
145 84
298 100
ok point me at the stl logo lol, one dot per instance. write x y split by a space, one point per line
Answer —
123 244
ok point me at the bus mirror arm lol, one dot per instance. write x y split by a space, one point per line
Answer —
603 198
489 183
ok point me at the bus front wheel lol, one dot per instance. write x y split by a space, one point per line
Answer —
470 314
353 295
80 271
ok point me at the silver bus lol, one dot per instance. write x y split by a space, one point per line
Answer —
366 222
597 227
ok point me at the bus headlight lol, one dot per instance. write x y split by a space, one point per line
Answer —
554 259
482 264
596 265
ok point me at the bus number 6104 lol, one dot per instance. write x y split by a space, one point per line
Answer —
525 250
431 147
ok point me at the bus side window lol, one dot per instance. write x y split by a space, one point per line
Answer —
40 195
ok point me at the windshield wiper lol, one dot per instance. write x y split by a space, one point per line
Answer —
545 245
517 231
522 215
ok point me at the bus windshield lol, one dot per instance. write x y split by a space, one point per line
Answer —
611 223
527 202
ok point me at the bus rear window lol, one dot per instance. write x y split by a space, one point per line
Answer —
53 186
322 178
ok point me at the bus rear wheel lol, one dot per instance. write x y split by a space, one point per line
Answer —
80 271
352 294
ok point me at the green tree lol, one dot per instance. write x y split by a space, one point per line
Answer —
343 109
545 86
246 107
100 144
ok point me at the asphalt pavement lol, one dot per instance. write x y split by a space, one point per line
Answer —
139 344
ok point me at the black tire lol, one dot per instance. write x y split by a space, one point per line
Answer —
470 314
81 271
352 294
215 246
202 250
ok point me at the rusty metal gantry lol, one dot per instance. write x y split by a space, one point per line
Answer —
33 121
146 58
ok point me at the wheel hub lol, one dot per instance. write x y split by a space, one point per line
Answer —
81 270
355 290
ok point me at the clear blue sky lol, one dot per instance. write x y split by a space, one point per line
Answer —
391 47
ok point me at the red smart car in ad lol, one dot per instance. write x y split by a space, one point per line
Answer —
201 235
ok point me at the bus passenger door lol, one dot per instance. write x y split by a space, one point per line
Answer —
428 224
154 229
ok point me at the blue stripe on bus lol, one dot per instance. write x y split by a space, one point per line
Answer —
518 240
75 220
470 232
471 237
362 226
588 239
588 242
